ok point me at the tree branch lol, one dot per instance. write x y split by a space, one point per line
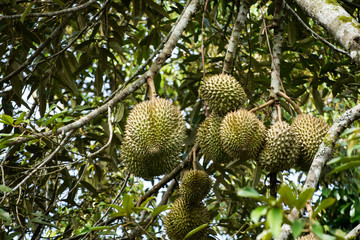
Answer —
37 51
293 104
268 103
50 14
235 37
353 233
314 34
155 67
337 21
323 155
276 51
169 177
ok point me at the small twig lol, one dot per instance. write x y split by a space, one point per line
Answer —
150 82
37 51
268 103
314 34
202 51
47 159
50 14
309 209
194 160
293 104
168 177
110 137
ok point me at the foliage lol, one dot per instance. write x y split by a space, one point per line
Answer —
66 65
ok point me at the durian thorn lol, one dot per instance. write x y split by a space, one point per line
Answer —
293 104
150 82
278 109
268 103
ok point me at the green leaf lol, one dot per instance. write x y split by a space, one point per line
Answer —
119 112
258 212
117 207
27 10
318 101
147 200
343 159
20 118
128 203
324 204
60 3
346 166
6 119
192 232
159 210
303 198
317 229
5 216
248 192
297 227
89 187
287 195
274 220
5 189
100 228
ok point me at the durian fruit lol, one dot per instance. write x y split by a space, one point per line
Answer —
208 137
242 134
222 93
310 132
310 236
281 149
154 136
195 185
185 217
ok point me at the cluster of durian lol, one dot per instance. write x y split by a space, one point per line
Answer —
188 211
231 132
154 136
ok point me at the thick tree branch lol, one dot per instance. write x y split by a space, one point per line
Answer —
337 21
353 233
235 37
154 69
323 155
50 14
314 34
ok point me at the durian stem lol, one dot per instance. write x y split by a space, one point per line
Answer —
268 103
287 98
150 82
273 181
278 108
309 209
194 160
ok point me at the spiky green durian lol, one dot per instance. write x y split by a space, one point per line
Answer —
208 137
310 236
154 135
185 217
242 134
195 185
310 132
280 150
222 93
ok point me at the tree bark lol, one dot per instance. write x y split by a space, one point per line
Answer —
235 37
337 21
323 155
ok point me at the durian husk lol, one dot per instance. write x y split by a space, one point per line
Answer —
154 136
242 134
281 149
310 236
222 93
185 217
195 185
310 132
208 137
